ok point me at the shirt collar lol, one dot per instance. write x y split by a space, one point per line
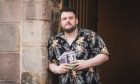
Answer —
61 35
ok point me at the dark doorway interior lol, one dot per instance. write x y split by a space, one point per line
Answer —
118 24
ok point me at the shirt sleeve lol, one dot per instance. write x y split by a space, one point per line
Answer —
51 55
98 46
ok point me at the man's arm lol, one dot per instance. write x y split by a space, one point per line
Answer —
95 61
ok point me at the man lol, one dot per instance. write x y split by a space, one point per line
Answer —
76 53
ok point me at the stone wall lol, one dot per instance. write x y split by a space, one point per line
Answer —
24 30
10 41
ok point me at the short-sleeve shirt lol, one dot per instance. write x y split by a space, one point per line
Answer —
87 45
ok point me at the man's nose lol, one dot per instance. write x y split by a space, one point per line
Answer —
68 19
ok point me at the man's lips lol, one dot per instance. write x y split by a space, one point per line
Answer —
68 24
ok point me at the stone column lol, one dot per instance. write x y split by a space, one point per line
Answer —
24 30
35 29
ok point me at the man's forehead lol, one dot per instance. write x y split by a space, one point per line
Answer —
67 14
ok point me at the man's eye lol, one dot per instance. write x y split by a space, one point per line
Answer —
64 18
71 17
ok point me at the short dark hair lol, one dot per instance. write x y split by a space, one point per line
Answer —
68 9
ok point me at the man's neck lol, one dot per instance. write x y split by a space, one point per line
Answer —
71 36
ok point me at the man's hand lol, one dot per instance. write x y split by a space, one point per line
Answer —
63 68
81 64
92 62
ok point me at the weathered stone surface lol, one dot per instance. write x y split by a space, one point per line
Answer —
46 33
10 10
34 1
9 67
55 21
37 11
32 78
34 33
33 61
24 30
9 82
9 37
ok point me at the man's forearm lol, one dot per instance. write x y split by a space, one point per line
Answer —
97 60
53 68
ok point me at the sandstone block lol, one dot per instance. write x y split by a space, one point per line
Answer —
33 59
9 37
10 66
37 11
10 10
34 33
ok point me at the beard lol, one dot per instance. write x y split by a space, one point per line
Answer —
69 30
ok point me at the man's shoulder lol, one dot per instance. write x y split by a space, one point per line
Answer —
87 31
56 35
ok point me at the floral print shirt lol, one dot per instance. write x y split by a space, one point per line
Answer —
86 45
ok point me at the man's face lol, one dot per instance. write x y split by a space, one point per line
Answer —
68 21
